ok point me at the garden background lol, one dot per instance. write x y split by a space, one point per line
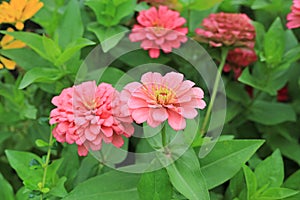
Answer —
65 134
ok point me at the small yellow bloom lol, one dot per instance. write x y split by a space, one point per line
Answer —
8 42
18 11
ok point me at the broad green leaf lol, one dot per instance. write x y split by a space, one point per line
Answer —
6 191
155 185
199 4
111 13
226 159
293 182
70 27
113 185
288 148
236 187
52 49
43 75
24 57
186 176
271 113
277 193
21 162
4 135
250 181
108 36
270 171
71 49
32 40
274 43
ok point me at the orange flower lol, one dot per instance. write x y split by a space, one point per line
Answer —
8 42
18 11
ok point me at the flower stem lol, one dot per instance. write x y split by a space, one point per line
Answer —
163 136
214 92
45 166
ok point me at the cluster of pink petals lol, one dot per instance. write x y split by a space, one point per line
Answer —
293 18
88 114
227 29
159 28
159 98
239 58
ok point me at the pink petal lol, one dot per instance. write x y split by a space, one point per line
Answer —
176 121
154 53
159 114
140 115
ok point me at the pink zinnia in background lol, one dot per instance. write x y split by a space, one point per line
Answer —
293 18
88 114
159 29
239 58
227 29
158 98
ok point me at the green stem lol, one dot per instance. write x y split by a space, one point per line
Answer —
45 166
214 93
163 136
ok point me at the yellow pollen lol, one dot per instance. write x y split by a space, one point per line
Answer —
163 95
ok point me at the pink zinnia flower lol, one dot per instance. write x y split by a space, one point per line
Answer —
239 58
228 29
159 29
88 114
159 98
293 18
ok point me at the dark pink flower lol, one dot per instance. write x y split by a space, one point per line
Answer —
159 98
227 29
293 18
159 29
239 58
282 94
88 114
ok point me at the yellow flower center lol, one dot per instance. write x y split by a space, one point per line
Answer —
161 94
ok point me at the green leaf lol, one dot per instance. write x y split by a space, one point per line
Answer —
155 185
71 49
113 185
109 37
277 193
270 171
6 191
271 113
293 182
24 57
250 181
274 43
111 13
70 27
20 161
52 49
41 143
199 4
32 40
229 156
186 176
288 148
41 75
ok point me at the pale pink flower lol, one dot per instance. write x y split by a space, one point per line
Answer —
159 29
293 18
159 98
239 58
227 29
88 114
